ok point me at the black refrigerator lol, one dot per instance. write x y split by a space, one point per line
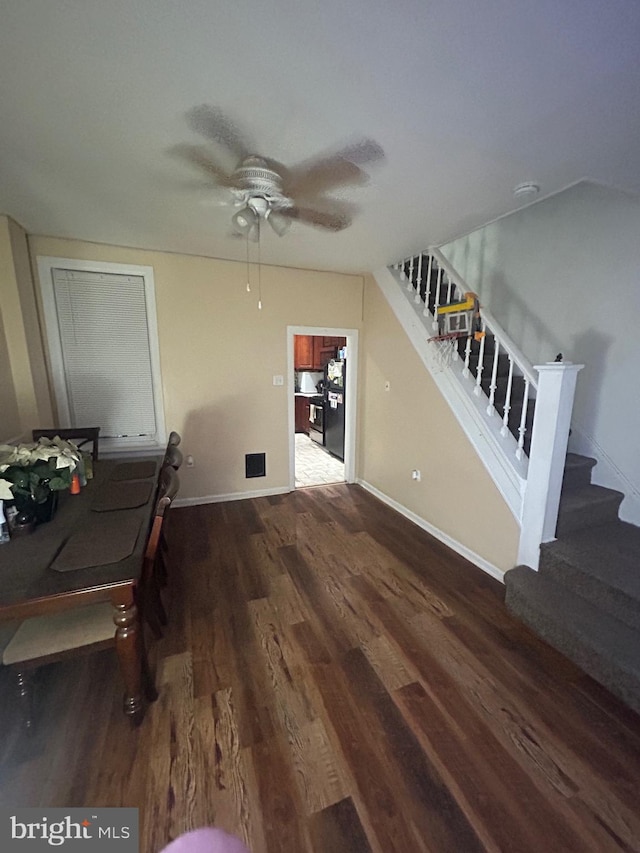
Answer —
335 376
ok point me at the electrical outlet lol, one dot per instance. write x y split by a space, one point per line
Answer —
189 462
278 380
416 475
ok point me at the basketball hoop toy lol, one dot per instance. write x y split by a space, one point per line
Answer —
456 320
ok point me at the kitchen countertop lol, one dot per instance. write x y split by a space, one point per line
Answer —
305 394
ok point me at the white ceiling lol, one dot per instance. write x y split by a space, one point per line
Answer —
467 99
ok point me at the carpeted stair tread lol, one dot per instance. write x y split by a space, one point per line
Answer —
577 471
601 645
587 506
601 564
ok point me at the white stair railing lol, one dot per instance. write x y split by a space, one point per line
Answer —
524 422
443 286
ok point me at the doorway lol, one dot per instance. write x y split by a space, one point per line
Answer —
322 404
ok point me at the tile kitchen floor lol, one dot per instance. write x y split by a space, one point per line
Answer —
314 465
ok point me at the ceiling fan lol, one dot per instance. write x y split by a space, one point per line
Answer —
265 190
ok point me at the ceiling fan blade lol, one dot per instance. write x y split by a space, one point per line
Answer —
362 152
337 221
198 156
340 168
321 176
211 122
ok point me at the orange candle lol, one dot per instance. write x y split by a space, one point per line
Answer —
75 485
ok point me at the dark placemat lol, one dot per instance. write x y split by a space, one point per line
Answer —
141 470
126 495
98 545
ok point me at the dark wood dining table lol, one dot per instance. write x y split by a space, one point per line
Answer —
91 551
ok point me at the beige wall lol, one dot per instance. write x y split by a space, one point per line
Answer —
219 354
9 414
410 426
24 392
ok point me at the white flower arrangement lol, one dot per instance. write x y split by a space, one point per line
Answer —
34 469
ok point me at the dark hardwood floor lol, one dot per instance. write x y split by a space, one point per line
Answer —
335 680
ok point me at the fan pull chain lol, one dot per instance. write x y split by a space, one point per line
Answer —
248 268
259 270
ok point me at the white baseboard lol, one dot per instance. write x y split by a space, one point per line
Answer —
447 540
233 496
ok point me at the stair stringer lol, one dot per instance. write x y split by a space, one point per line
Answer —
497 452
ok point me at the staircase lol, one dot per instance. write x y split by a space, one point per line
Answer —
585 598
496 375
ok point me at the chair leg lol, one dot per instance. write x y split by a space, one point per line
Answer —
148 681
154 612
25 699
161 566
162 613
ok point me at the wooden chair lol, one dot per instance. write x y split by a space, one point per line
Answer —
172 458
53 637
155 572
172 455
79 435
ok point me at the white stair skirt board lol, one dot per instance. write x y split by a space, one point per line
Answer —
447 540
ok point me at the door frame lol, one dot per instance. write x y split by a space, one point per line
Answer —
351 396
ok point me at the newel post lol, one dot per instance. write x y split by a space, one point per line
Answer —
552 420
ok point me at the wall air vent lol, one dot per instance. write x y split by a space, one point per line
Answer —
255 465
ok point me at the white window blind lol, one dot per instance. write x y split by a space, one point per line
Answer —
104 337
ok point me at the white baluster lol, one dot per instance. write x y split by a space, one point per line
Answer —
410 281
400 268
437 300
478 389
428 287
523 421
507 401
451 287
418 279
467 356
494 374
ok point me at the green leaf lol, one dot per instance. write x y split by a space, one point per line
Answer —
57 484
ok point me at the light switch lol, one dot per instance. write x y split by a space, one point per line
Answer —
278 380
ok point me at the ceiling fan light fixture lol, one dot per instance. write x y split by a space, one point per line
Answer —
279 223
244 219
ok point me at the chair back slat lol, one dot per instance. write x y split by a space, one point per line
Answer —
167 490
173 457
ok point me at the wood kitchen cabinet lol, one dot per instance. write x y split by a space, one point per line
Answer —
303 352
302 413
324 349
312 352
